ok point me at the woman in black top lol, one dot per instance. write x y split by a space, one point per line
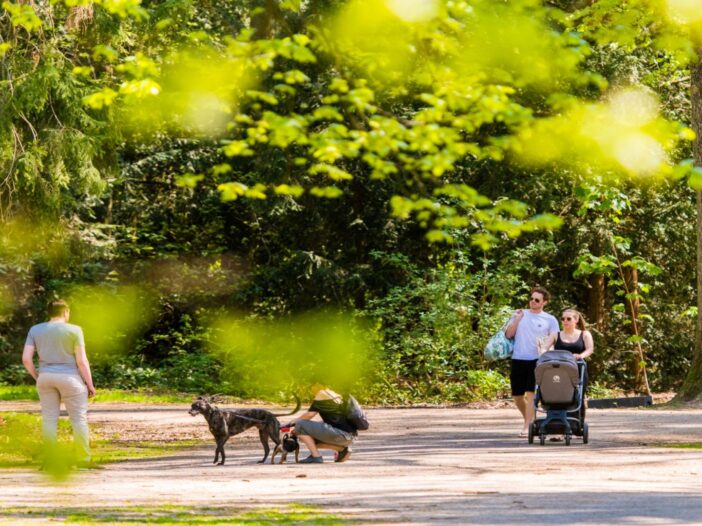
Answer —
333 432
574 338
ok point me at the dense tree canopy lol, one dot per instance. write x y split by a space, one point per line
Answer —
184 171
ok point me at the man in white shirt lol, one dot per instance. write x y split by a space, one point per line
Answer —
528 328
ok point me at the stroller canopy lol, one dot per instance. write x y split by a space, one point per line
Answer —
557 376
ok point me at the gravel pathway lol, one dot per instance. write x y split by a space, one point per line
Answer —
414 466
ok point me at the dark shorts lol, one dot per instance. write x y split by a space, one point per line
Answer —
522 377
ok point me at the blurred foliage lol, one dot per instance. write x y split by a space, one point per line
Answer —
21 443
263 358
417 164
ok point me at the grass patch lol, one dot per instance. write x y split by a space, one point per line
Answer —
142 396
29 392
21 445
294 514
680 445
18 392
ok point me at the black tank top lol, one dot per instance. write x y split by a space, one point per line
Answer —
576 347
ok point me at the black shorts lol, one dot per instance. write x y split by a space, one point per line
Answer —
522 377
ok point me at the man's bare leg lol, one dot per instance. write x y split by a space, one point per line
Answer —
525 404
530 411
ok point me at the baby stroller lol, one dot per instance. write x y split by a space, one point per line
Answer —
559 393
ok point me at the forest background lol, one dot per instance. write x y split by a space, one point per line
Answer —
247 196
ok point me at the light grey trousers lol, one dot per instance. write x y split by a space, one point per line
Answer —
53 388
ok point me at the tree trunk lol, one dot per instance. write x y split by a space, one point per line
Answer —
596 291
631 278
596 301
692 387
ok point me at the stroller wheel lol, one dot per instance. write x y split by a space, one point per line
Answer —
542 439
567 440
586 438
531 434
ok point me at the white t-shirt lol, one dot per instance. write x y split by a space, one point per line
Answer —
530 329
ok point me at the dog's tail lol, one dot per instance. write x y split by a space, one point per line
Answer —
297 408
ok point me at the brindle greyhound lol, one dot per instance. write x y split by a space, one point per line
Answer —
225 423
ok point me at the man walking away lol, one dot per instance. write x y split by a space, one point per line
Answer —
63 375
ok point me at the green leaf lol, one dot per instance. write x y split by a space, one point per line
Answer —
188 180
329 192
291 5
484 240
284 189
105 52
294 76
140 88
23 16
333 172
258 191
237 149
125 8
232 191
690 312
82 71
439 236
100 99
327 113
221 169
695 178
339 85
263 96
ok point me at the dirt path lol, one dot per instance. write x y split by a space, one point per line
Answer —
419 466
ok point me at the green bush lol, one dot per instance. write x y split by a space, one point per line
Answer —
14 374
432 331
193 373
487 385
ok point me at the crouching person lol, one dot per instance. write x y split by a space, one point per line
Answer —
334 432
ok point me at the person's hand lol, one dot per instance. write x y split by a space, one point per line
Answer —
577 356
91 391
519 314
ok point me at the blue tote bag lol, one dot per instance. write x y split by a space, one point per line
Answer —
499 346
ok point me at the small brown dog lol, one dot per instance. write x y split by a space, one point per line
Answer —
288 444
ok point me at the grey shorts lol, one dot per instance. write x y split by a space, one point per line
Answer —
323 433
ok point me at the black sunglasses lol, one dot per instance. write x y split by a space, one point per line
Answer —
567 318
537 300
